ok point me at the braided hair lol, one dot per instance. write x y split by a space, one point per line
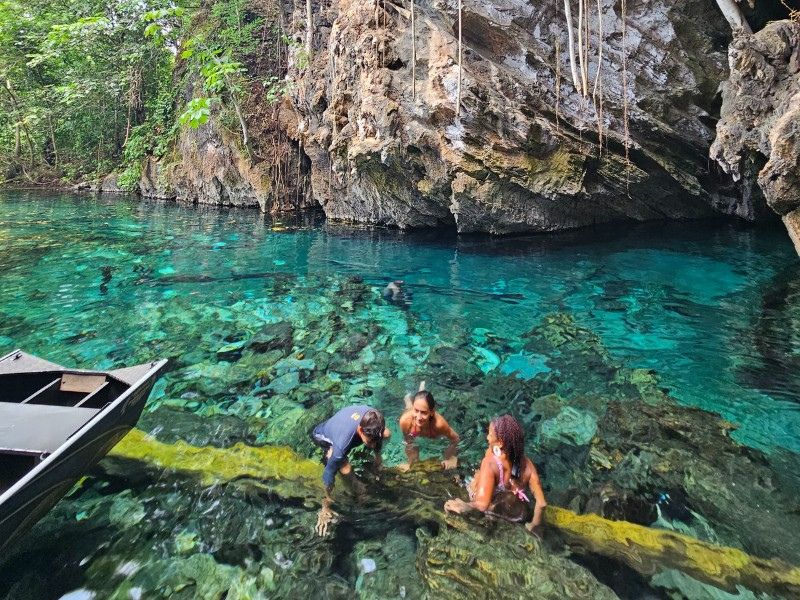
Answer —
510 433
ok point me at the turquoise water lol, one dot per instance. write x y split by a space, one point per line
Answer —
712 309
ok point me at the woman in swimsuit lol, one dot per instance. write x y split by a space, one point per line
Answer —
504 474
421 420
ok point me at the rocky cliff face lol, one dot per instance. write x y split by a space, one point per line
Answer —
758 136
525 151
210 166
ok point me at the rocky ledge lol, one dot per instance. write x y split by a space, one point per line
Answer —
758 136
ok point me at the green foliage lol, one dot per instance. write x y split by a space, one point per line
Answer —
197 112
81 77
276 88
128 179
88 85
300 51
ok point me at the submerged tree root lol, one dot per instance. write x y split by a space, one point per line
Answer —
419 494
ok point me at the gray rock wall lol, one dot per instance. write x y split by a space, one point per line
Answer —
758 136
524 154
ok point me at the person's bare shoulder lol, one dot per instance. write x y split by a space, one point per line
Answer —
441 425
529 470
405 422
443 428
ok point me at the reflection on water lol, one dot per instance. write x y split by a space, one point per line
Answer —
271 326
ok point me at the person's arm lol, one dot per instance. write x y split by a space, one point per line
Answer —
326 516
335 462
451 452
484 490
535 485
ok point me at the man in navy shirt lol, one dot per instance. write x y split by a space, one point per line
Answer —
347 429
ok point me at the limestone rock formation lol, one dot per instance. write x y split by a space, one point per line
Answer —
523 152
210 166
758 136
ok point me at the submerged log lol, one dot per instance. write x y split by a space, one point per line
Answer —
424 489
648 551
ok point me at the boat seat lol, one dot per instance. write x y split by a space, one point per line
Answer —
39 428
78 382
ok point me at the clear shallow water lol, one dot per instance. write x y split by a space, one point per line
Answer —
713 309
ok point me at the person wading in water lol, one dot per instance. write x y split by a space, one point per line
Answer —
499 485
347 429
421 420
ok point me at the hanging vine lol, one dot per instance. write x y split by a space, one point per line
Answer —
626 133
571 42
458 89
597 91
413 55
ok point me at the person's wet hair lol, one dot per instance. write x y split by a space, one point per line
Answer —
428 397
373 424
510 433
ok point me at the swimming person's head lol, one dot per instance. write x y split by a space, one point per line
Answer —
423 408
505 435
371 429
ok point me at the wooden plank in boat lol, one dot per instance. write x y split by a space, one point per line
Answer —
77 382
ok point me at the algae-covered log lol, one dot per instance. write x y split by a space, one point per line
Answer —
419 494
649 551
287 474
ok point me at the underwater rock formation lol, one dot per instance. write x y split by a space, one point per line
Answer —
758 135
496 557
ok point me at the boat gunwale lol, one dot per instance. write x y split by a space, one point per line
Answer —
155 367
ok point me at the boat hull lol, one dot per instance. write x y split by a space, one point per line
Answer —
28 500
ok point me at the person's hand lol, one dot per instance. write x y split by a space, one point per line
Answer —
450 463
457 505
324 519
404 468
534 528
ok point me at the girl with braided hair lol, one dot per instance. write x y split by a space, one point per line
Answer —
499 485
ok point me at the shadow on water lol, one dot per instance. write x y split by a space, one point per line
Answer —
776 337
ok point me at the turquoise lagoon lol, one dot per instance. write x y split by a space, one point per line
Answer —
712 309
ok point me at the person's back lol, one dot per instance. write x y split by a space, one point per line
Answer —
346 429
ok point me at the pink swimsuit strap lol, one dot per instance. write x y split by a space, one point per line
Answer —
501 486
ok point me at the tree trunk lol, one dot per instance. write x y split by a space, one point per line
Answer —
53 140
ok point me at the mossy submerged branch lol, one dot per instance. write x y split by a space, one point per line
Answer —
644 549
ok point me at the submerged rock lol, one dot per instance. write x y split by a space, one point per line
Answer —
505 562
